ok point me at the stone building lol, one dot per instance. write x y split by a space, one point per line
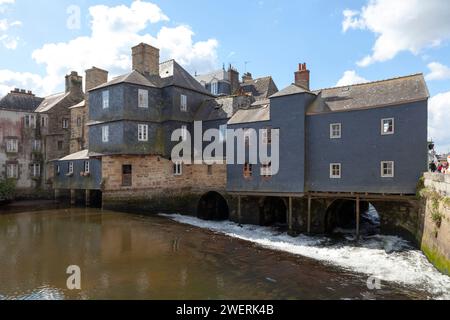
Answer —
55 118
21 157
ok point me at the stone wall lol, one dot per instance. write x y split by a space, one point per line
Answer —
435 231
155 188
77 129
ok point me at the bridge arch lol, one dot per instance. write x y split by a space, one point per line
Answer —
340 217
213 206
273 210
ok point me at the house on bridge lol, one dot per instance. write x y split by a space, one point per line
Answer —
364 142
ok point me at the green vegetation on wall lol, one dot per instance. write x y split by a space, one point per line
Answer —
7 189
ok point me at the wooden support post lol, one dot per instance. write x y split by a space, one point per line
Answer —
88 198
309 214
73 197
290 220
358 217
239 210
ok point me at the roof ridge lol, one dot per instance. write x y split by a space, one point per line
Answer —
371 82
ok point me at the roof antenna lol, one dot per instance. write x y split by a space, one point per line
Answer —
246 63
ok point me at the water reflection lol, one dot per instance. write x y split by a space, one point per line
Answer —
130 257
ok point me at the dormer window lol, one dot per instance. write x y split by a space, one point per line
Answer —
183 103
105 99
143 98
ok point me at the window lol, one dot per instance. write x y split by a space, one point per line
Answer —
79 122
183 104
35 170
248 170
178 169
127 175
105 134
267 135
387 126
143 98
184 133
247 136
70 168
335 131
210 171
12 145
44 121
58 170
36 145
215 87
87 167
335 171
65 123
60 145
142 132
12 171
105 99
266 170
30 121
387 169
223 133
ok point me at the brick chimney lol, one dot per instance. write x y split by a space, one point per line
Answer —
233 77
302 76
74 83
247 77
146 59
95 77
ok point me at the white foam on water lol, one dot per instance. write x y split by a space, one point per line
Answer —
388 258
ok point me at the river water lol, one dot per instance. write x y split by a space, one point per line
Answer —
124 256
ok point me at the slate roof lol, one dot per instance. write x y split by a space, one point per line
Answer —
51 101
219 75
290 90
261 88
211 109
133 77
20 102
172 74
81 155
258 114
371 95
79 105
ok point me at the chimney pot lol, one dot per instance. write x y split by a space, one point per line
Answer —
302 76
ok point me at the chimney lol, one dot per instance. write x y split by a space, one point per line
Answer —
74 83
247 77
302 76
146 59
233 77
95 77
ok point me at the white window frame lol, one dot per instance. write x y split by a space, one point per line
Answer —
143 98
184 133
36 170
183 103
215 87
58 169
388 175
87 166
382 127
12 171
105 99
37 145
12 145
65 123
30 121
44 121
70 168
266 170
333 131
178 168
105 134
223 132
332 174
142 132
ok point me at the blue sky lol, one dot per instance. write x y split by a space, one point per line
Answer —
272 36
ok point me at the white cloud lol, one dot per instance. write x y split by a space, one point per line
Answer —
23 80
350 77
439 119
8 41
438 71
114 30
407 25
